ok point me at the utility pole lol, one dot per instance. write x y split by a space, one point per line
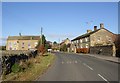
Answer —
41 35
59 44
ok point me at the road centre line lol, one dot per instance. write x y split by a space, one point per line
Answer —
103 78
62 62
75 61
88 66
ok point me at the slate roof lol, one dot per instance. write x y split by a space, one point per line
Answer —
88 34
23 37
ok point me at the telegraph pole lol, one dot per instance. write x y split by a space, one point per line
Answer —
59 44
41 34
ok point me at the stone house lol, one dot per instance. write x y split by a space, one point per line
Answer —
66 42
98 37
22 42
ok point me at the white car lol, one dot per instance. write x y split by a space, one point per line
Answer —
49 50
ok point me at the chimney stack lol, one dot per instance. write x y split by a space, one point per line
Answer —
88 31
19 34
101 25
95 28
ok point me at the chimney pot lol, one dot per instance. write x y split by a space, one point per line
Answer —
88 31
19 34
101 25
95 28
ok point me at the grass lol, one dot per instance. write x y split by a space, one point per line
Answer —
38 66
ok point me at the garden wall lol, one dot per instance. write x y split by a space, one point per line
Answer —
101 50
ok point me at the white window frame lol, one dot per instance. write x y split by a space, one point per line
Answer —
81 46
86 45
81 40
86 39
36 43
29 45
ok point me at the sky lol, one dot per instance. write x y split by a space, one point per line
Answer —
59 20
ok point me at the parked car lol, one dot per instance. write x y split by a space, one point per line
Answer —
49 50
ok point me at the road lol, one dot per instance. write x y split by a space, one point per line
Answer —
73 67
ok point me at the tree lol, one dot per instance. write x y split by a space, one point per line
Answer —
41 45
63 48
54 42
2 47
43 41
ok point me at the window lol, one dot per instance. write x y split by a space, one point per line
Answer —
36 44
81 46
80 40
77 41
29 46
109 39
72 42
86 45
99 38
86 39
14 43
93 38
22 44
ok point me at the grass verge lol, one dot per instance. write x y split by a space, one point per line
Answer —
37 67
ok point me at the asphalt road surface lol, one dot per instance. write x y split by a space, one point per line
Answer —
73 67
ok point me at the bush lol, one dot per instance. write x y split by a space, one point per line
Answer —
82 50
41 49
15 68
63 48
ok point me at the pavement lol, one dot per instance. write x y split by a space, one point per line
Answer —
109 58
71 67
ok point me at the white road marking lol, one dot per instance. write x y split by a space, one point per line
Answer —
88 66
80 61
103 78
84 64
75 61
67 61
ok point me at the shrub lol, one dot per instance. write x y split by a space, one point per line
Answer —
15 68
82 50
41 49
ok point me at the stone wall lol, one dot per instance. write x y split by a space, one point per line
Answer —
101 50
102 37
